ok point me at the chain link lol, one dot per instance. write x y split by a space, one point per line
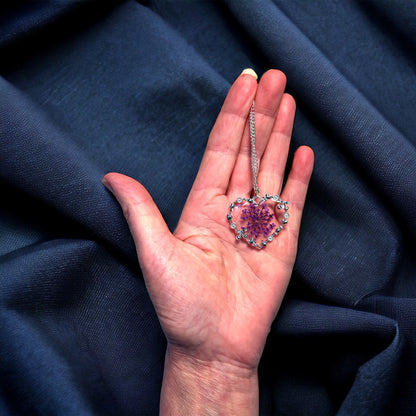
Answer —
254 158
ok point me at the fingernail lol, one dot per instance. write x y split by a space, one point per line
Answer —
106 184
249 71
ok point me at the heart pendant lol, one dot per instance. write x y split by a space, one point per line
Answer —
254 219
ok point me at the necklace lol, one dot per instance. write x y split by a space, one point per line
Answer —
254 218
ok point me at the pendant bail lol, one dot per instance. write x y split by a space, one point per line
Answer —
259 199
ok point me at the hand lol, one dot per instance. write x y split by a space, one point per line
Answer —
216 297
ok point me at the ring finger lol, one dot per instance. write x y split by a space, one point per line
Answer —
273 162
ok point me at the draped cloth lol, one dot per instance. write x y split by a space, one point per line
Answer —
135 87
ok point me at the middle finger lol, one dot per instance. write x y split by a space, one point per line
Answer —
268 97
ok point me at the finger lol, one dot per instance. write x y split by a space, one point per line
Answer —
273 162
296 188
225 138
269 94
150 232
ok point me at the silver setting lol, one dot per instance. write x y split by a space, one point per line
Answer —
241 233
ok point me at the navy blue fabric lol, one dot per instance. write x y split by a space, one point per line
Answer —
135 87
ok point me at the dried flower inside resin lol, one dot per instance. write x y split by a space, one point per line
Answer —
257 220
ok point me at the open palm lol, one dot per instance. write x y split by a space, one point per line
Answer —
216 297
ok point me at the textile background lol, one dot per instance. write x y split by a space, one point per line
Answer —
88 87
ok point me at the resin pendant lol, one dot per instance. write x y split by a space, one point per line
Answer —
255 219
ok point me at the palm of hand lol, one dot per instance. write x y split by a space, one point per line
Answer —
237 288
215 297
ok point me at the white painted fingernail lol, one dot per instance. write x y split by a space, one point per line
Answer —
249 71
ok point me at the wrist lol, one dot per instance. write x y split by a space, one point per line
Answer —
198 387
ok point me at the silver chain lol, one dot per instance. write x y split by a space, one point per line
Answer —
254 159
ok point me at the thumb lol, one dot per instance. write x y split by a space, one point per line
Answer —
150 233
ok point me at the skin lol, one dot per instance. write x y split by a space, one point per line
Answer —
216 297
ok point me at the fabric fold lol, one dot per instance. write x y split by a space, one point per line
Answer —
135 87
368 138
309 347
54 172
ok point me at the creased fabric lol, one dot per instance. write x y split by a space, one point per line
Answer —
135 87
